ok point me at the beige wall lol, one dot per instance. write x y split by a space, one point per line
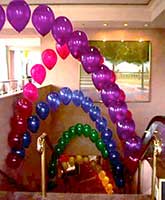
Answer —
66 73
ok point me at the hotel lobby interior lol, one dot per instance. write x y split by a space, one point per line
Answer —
82 99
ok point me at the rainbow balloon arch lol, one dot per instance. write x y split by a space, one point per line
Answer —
74 42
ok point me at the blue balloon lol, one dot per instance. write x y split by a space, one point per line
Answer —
42 110
111 145
77 97
118 169
106 135
119 181
20 152
33 123
65 95
26 139
86 104
94 112
101 124
114 157
53 100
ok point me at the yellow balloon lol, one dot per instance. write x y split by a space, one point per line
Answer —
86 159
26 53
105 181
79 159
101 174
64 165
72 160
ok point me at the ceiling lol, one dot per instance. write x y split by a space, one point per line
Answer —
106 13
111 2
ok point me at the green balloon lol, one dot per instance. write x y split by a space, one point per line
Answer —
53 164
51 185
104 153
100 145
58 150
79 129
86 130
66 136
62 142
52 172
72 131
93 135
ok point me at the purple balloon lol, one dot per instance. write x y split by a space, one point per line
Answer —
110 93
78 44
102 77
125 125
62 30
18 14
91 60
42 19
2 17
125 135
117 111
132 146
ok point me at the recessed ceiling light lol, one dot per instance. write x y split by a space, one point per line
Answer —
125 24
146 25
105 24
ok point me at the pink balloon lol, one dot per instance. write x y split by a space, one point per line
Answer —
62 50
49 58
38 73
30 92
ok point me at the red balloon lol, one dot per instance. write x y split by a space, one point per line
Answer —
129 114
122 95
62 50
15 140
13 160
18 123
24 107
49 58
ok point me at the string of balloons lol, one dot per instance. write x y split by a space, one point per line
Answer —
77 44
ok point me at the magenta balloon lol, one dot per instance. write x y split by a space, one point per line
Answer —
30 92
110 93
2 17
38 73
42 19
62 30
117 111
90 60
125 125
18 14
102 77
78 44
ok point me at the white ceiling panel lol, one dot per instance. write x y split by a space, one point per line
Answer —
111 2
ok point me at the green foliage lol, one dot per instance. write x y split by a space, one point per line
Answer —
128 51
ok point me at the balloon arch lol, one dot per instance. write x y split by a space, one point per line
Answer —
74 42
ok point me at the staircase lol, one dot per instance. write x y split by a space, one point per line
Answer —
70 196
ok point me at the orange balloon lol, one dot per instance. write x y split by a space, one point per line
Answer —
105 181
102 174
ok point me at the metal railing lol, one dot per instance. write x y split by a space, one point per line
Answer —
41 148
